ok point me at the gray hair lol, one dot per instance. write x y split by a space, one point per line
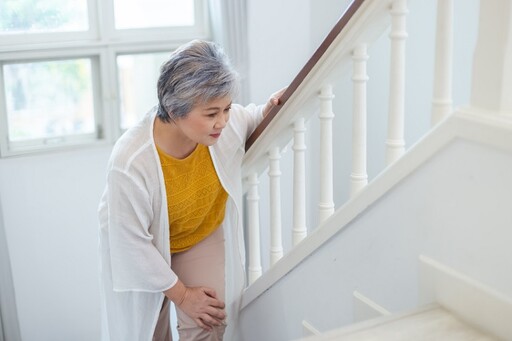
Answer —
195 73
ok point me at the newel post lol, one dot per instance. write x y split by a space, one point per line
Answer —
491 86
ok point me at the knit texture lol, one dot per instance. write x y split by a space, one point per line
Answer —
196 200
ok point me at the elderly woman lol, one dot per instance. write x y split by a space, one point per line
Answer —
170 215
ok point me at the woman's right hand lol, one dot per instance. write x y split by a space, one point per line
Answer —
200 303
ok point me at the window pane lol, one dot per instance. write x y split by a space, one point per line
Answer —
153 13
138 74
49 99
36 16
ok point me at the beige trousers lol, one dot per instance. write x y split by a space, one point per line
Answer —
202 265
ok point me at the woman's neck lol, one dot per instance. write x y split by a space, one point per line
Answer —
169 138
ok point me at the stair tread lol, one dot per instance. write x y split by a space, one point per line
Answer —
430 324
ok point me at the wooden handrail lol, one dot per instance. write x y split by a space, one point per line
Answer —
342 22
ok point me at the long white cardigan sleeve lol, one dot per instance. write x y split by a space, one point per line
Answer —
134 226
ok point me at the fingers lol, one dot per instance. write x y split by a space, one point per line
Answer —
208 325
202 305
214 302
217 313
210 319
213 318
210 292
214 313
276 96
274 100
213 295
201 324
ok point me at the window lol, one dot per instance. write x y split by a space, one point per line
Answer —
26 16
66 101
126 13
79 72
138 74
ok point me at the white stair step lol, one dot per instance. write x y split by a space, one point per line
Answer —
430 323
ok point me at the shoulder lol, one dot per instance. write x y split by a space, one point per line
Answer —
134 146
245 119
246 113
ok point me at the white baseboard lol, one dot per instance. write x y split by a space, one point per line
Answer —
476 304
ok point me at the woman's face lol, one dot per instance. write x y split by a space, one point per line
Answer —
205 122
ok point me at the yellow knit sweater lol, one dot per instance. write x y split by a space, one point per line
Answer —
196 200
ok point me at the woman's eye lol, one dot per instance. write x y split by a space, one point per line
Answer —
227 109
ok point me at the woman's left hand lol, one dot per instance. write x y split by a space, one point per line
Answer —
274 100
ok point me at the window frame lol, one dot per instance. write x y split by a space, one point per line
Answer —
102 43
96 57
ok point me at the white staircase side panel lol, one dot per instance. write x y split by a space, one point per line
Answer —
466 124
459 177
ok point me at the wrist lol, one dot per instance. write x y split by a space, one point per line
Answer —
176 293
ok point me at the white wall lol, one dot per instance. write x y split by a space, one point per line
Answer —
49 205
278 35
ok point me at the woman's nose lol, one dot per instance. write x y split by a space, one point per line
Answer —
221 121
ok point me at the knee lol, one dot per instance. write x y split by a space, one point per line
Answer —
200 334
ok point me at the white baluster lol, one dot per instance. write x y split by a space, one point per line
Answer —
395 144
442 96
274 173
299 182
326 204
491 86
254 228
359 177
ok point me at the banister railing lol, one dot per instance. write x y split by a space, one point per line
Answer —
312 84
346 48
364 20
342 22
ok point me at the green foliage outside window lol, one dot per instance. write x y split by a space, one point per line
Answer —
42 15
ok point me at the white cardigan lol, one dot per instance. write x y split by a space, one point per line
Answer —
134 227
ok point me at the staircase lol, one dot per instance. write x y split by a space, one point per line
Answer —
426 242
464 310
430 323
